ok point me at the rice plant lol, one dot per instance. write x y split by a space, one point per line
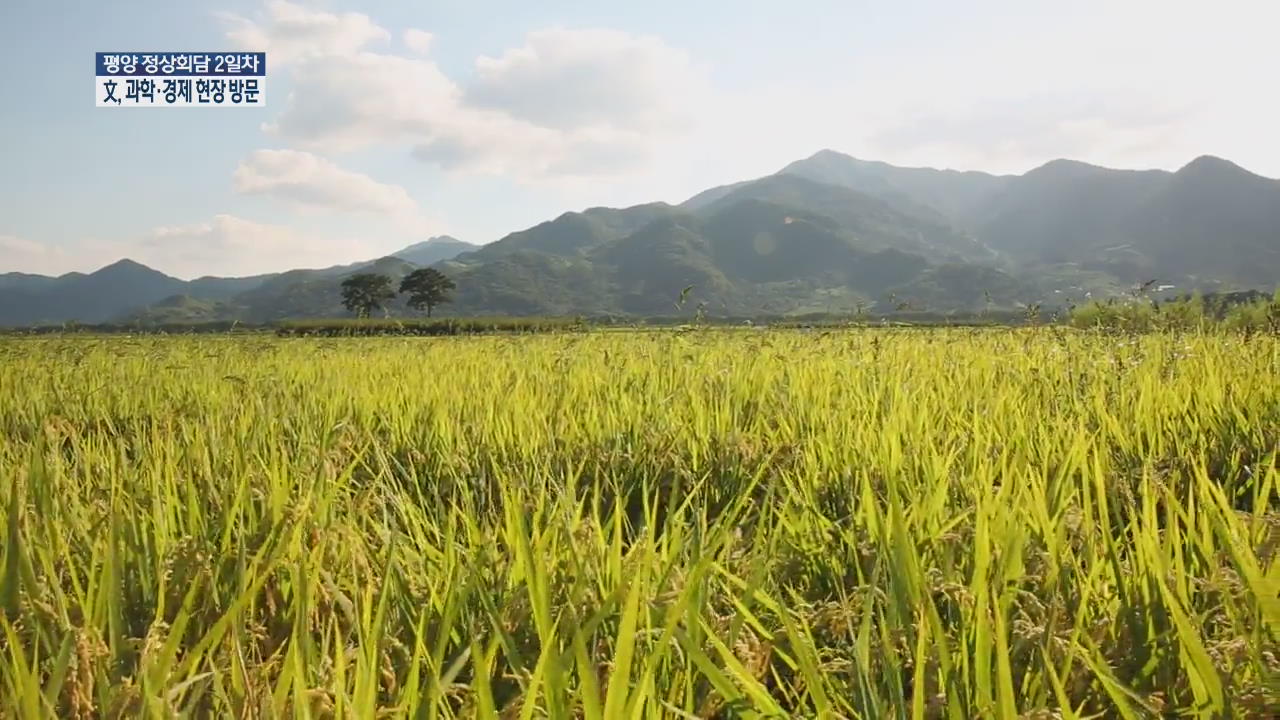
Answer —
875 523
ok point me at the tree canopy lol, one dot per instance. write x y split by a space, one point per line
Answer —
426 288
366 292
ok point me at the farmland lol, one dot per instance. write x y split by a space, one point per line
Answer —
953 523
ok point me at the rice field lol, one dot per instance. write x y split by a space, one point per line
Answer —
1035 523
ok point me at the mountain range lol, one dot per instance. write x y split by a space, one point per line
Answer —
828 233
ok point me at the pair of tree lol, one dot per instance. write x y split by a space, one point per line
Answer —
365 293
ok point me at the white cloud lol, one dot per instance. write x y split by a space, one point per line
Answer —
1016 133
307 179
567 79
419 41
342 103
228 245
19 254
291 32
958 88
1008 86
566 103
225 245
488 142
346 103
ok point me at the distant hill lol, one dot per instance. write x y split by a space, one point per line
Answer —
828 233
309 293
25 281
181 310
1211 224
773 245
868 221
573 232
948 196
433 250
219 288
96 297
132 292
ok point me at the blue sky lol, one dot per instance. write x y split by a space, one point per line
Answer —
391 121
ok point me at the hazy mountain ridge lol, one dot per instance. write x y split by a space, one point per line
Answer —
949 195
95 297
433 250
1211 224
826 233
128 290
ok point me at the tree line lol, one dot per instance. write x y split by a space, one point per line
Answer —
366 293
